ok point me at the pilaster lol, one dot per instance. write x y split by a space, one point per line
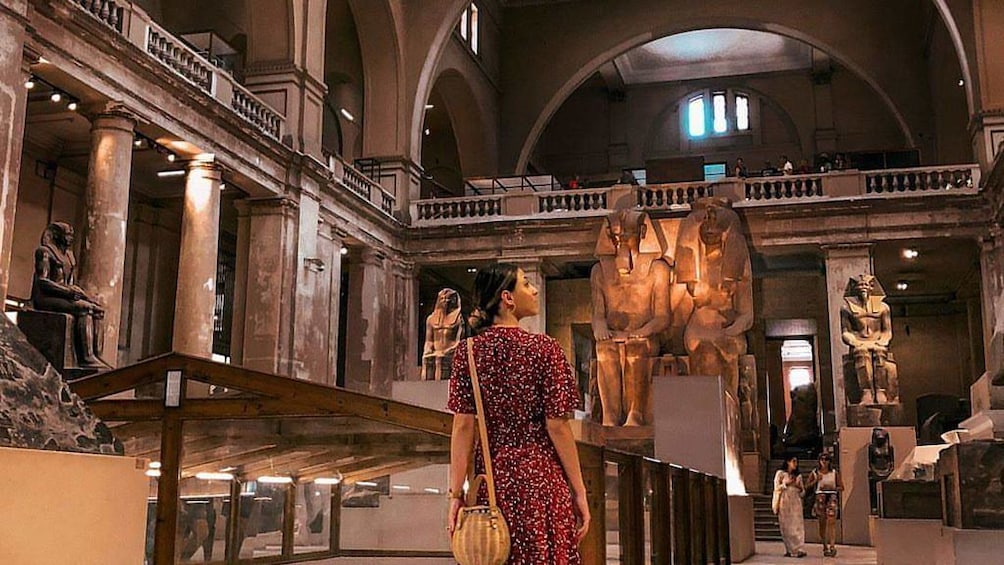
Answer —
842 263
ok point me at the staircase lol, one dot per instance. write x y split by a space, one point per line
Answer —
764 520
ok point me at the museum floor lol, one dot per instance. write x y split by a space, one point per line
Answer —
773 553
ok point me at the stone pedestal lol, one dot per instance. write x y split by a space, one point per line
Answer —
742 534
51 333
102 257
853 464
910 499
871 415
899 541
72 508
970 476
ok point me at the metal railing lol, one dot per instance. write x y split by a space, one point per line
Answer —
137 27
743 192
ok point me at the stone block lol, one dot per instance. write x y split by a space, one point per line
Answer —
899 541
910 499
51 333
971 480
742 535
871 415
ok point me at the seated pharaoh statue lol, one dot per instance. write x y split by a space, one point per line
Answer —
713 263
53 289
444 329
866 326
630 295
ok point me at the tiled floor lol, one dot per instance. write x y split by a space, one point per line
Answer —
772 553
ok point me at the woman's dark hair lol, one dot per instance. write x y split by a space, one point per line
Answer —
489 284
784 465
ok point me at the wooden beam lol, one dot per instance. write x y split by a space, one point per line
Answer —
199 409
166 528
289 520
111 382
661 516
631 510
680 497
594 546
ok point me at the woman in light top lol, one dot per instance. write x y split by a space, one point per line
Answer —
788 481
828 485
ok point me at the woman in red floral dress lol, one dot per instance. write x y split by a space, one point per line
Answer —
528 391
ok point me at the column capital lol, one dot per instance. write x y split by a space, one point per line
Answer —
844 250
373 256
113 115
266 206
208 167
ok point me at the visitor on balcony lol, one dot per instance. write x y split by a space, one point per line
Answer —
575 183
528 393
786 167
788 490
741 171
804 168
769 170
840 162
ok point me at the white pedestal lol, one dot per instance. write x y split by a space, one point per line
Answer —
427 394
967 547
856 503
72 508
900 541
690 422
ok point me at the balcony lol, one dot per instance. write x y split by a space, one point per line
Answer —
351 178
524 204
138 28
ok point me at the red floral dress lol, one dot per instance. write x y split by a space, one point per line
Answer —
524 378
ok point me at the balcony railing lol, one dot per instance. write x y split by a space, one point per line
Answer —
749 192
361 185
137 27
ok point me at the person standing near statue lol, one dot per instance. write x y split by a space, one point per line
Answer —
444 329
54 289
788 491
630 295
828 485
866 325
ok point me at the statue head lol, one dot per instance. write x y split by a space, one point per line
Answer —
880 437
447 300
59 235
712 229
864 287
626 235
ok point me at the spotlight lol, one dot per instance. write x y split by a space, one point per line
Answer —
137 142
910 254
56 96
345 251
171 157
472 270
962 82
30 83
168 174
72 106
429 106
348 115
902 285
427 131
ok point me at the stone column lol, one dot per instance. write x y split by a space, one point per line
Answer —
195 302
369 343
405 320
309 324
992 298
335 243
102 261
13 99
842 263
265 281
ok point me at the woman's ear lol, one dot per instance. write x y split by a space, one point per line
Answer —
507 298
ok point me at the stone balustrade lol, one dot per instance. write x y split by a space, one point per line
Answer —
347 176
744 193
137 27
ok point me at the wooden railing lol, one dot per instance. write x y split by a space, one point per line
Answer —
678 197
137 27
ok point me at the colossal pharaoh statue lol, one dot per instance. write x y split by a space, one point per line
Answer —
866 326
53 289
630 295
713 262
444 329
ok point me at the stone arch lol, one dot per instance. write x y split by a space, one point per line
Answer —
467 117
948 18
378 23
593 65
663 116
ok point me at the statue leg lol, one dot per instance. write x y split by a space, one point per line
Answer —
609 381
891 381
863 366
86 340
637 380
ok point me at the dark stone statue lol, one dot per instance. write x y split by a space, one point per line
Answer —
881 462
54 289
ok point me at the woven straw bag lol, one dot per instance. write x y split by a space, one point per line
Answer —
481 536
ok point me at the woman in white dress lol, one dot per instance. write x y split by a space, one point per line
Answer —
828 485
788 483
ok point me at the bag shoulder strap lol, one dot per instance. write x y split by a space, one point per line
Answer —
482 424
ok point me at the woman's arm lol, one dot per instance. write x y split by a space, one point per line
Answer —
561 436
840 481
461 451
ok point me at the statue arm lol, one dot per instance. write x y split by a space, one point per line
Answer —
886 336
430 339
660 302
742 302
846 326
49 286
459 335
601 332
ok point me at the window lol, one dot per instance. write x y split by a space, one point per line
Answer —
742 112
695 116
718 105
470 31
729 113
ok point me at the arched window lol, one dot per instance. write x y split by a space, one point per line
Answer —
729 113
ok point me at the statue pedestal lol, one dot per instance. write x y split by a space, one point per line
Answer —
427 394
853 464
742 532
871 415
51 333
72 508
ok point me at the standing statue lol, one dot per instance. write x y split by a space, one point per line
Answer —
866 326
444 329
713 261
881 462
53 289
630 294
